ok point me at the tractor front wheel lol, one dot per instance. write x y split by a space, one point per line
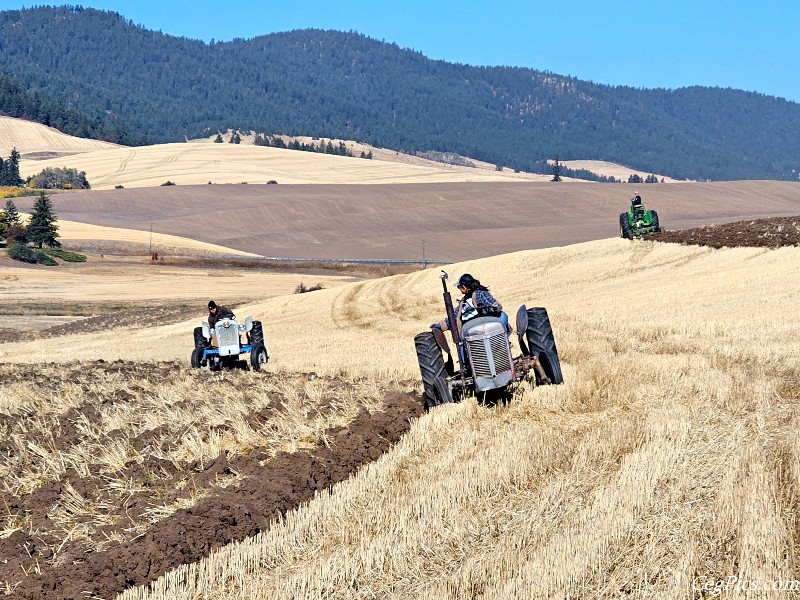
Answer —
258 356
197 357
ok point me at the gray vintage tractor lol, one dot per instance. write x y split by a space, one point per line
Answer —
486 366
222 346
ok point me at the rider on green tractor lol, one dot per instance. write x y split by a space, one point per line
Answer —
639 221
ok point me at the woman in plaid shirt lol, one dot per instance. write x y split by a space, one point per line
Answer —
477 302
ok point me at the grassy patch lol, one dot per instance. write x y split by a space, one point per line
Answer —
65 255
45 257
8 191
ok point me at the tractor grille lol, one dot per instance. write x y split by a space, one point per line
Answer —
227 336
502 359
481 363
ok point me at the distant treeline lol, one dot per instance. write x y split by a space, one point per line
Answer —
16 101
323 148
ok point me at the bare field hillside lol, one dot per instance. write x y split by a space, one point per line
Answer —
452 221
33 140
667 460
83 236
199 163
385 154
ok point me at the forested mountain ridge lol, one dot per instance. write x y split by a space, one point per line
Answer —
345 85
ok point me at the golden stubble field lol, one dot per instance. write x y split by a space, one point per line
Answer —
668 459
33 138
200 163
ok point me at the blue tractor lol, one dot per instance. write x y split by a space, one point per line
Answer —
222 346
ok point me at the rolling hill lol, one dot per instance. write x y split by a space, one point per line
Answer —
200 161
346 86
446 221
36 140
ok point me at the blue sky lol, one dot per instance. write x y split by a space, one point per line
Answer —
741 44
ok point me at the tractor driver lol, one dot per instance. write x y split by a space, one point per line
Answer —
477 302
215 313
636 203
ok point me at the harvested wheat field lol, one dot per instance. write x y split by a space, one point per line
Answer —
668 458
199 163
450 222
36 141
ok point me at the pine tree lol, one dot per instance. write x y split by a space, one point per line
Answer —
12 169
10 224
10 214
42 228
556 170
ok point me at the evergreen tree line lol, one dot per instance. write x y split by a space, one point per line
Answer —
16 101
337 85
323 148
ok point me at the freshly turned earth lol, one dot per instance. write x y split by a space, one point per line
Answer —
765 233
270 485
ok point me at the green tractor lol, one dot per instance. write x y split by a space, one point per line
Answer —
638 222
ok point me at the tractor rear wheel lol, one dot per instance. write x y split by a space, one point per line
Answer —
625 229
256 334
542 343
431 366
258 356
197 357
199 339
654 215
551 366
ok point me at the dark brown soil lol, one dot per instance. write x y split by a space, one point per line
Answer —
765 233
265 486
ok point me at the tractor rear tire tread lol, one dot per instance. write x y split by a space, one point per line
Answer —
551 366
542 343
199 339
625 229
432 368
656 225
